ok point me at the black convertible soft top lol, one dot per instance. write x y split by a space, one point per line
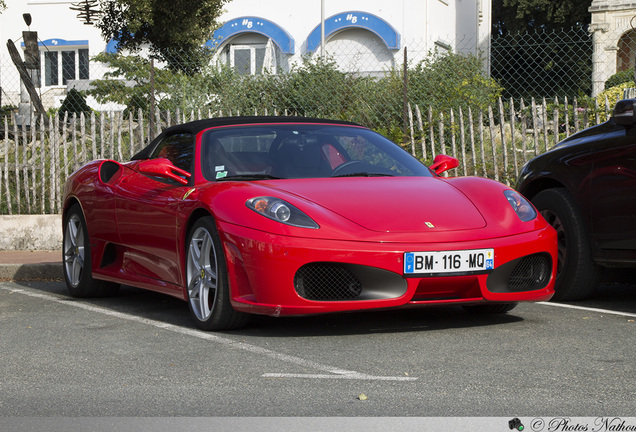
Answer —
194 127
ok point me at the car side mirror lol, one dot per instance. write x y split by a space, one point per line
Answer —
625 119
624 113
443 163
163 168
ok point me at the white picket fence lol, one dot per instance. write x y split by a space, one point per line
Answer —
495 143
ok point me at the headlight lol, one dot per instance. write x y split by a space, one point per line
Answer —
281 211
520 205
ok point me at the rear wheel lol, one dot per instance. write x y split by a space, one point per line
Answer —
486 309
77 259
577 273
207 282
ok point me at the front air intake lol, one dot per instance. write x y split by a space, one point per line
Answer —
327 282
529 273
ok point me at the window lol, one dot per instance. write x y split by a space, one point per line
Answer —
246 59
67 64
50 68
83 63
251 56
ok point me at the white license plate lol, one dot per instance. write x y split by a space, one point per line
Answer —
457 261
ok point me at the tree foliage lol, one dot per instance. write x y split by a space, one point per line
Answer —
541 48
315 88
174 29
523 15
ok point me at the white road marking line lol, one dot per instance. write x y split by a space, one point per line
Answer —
352 376
337 372
589 309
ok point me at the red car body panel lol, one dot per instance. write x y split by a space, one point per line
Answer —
138 228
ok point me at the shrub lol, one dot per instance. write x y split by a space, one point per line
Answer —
6 110
74 103
619 78
613 94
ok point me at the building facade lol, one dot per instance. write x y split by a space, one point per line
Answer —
361 36
614 37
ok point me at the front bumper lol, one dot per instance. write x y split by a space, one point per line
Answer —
279 275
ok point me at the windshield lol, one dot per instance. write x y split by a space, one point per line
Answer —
285 151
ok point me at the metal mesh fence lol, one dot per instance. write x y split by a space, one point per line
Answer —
492 110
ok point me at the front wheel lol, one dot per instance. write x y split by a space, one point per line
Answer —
577 273
77 259
207 281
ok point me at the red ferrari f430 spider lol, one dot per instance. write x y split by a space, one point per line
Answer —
292 216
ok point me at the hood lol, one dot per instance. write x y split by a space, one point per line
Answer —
391 204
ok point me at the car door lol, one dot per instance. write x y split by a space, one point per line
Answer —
147 210
613 189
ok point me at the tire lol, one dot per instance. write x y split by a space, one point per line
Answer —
207 282
577 273
76 259
490 309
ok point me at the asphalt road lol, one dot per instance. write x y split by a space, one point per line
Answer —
138 354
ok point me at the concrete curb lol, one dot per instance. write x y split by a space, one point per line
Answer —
24 265
30 247
31 272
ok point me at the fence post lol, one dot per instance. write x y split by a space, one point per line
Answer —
56 165
16 140
43 152
524 147
504 146
52 165
452 132
471 130
431 131
118 123
141 128
512 136
102 126
566 113
481 142
556 120
535 134
25 172
152 97
491 120
575 114
405 92
131 137
440 131
421 126
412 132
462 139
6 164
93 139
545 125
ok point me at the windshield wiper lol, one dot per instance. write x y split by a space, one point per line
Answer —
364 174
248 177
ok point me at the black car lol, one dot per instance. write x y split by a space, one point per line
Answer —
586 188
